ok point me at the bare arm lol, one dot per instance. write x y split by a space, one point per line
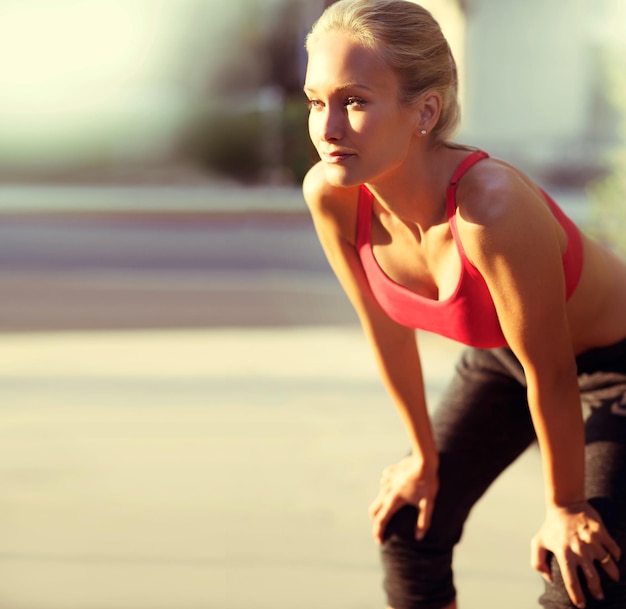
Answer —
513 240
394 346
524 272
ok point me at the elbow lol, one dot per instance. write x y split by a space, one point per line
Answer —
553 377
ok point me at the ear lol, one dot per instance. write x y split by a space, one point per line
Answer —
429 110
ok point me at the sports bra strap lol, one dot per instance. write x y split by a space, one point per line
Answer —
466 164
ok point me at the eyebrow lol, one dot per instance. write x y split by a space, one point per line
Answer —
350 85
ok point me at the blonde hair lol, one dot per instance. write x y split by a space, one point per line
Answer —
409 40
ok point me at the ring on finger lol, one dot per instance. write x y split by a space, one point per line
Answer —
606 559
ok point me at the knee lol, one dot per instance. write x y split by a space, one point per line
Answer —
418 575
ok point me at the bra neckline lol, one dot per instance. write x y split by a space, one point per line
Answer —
407 292
469 161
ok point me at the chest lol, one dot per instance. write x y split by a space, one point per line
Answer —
427 264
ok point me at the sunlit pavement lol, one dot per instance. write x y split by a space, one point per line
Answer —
222 468
217 468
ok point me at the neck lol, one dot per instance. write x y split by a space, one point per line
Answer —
415 191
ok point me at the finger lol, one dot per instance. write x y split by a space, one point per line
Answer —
607 563
389 506
375 506
571 581
381 519
593 579
613 553
612 548
385 484
424 516
539 559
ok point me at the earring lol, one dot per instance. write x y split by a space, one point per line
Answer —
423 131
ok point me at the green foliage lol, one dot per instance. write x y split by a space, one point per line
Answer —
225 143
251 125
299 153
608 204
235 144
608 195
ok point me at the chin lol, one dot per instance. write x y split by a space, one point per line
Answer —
340 177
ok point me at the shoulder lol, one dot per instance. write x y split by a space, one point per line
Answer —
496 199
332 208
494 190
499 209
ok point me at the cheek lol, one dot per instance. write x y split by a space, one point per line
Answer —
368 127
314 124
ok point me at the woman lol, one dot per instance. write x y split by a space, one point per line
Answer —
426 234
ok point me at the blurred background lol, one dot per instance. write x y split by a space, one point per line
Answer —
199 91
170 118
190 417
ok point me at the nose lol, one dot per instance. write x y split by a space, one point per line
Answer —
330 126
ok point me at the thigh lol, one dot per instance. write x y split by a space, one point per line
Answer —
481 425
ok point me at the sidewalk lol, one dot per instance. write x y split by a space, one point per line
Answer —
219 469
72 198
229 199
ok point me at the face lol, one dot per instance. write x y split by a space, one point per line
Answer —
359 127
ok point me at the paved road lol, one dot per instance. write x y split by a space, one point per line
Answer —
218 445
154 270
75 257
219 469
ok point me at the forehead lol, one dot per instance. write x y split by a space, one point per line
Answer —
336 59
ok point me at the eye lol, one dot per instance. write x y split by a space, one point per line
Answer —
355 102
314 104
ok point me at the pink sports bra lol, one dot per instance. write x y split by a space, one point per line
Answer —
469 314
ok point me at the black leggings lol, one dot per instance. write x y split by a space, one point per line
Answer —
482 425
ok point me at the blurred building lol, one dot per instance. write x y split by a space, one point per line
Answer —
535 81
538 88
128 83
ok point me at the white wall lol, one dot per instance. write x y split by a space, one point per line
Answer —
451 19
532 78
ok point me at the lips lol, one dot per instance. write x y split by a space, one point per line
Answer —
337 156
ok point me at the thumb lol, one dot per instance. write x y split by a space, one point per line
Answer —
539 559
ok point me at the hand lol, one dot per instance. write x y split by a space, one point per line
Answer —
412 481
576 537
